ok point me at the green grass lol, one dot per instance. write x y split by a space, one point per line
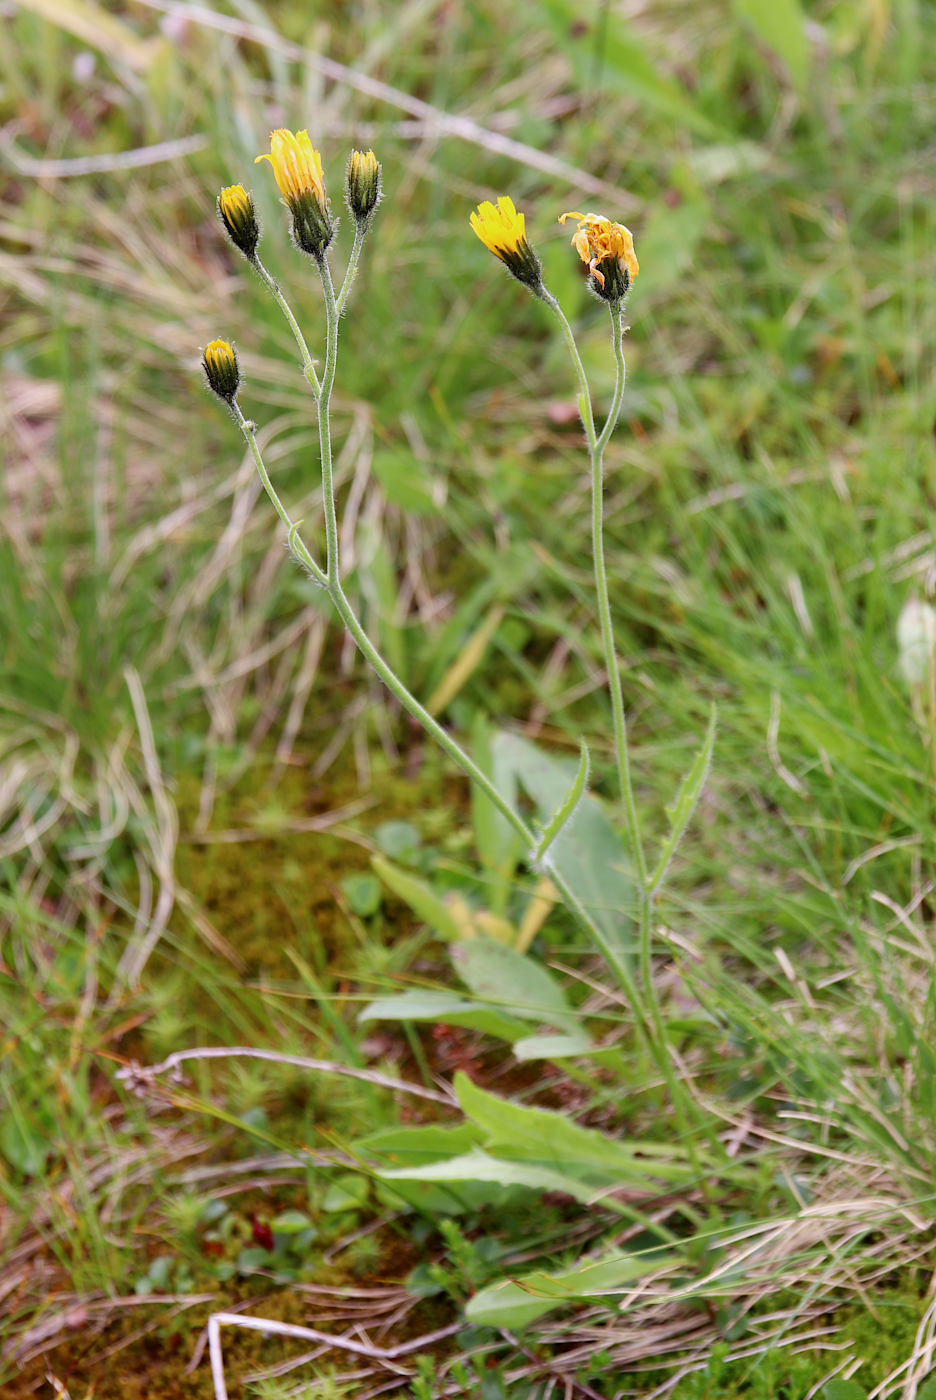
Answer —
177 709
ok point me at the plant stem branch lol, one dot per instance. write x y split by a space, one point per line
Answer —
332 562
296 542
584 400
596 446
420 713
648 1014
270 282
360 233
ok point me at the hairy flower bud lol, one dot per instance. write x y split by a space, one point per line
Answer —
220 365
363 184
236 208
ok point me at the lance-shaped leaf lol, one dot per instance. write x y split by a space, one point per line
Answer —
566 809
687 799
519 1301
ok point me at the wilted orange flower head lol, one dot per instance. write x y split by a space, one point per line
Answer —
608 249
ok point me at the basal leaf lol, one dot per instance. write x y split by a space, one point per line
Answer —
519 1301
441 1008
496 973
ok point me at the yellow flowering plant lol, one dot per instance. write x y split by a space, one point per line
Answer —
606 249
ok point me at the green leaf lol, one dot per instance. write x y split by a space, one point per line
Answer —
24 1147
552 1047
91 24
413 1146
669 242
420 897
399 840
362 891
349 1191
567 807
380 583
781 25
837 1389
498 974
687 798
160 1273
290 1222
519 1133
588 854
421 1282
727 160
248 1260
520 1301
479 1166
468 660
444 1009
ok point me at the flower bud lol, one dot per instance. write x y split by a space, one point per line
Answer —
220 365
363 184
236 208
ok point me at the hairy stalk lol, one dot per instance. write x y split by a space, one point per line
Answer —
409 702
332 563
295 539
270 282
360 233
648 1005
619 717
596 446
584 399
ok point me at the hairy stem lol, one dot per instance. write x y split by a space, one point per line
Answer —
296 543
360 233
332 561
270 282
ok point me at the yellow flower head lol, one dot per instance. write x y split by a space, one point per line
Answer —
220 365
363 184
239 217
608 249
503 230
297 169
297 165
